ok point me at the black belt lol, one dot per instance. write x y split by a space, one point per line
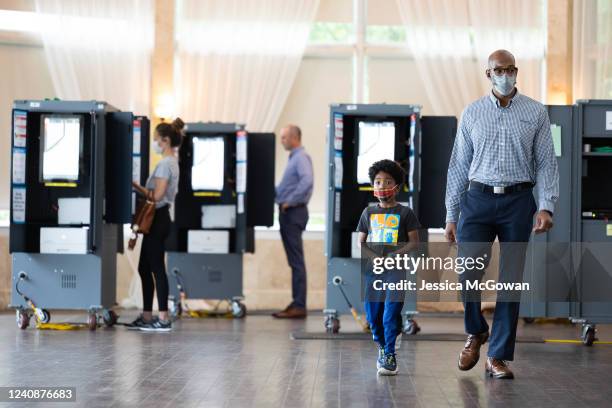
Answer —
294 206
515 188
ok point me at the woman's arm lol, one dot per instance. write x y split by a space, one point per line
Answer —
140 189
161 185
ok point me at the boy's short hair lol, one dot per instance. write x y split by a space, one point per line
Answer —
388 166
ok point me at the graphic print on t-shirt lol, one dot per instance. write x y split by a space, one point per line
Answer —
385 228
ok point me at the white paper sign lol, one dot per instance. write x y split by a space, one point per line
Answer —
19 166
136 135
338 132
19 201
136 169
241 148
19 129
241 177
240 206
609 120
339 171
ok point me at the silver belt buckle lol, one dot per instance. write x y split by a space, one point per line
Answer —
498 190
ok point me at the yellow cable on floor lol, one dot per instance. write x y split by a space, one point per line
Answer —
60 326
206 313
574 341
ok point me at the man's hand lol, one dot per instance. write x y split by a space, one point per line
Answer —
543 222
284 207
450 233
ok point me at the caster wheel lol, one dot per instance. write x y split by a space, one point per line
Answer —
92 322
175 308
44 316
588 335
238 310
332 325
23 320
110 317
528 320
411 327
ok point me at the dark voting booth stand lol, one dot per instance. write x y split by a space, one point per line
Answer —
570 267
226 189
71 172
358 135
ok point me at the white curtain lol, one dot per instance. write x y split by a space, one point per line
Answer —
450 41
592 49
100 50
236 60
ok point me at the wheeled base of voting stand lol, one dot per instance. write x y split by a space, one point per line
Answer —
43 282
205 276
331 322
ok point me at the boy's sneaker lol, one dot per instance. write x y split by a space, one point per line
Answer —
381 357
389 366
137 324
157 325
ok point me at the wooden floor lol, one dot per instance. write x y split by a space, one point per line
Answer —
253 362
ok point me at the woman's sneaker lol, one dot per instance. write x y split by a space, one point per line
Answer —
157 325
137 324
389 366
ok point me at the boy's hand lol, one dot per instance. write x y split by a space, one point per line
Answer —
450 233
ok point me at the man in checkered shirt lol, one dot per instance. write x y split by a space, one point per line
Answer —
502 150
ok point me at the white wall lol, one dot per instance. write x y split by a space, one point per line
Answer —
23 75
319 82
396 80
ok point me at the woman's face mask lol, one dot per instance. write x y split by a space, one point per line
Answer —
157 147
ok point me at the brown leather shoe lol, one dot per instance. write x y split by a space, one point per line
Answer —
471 351
291 312
282 311
498 368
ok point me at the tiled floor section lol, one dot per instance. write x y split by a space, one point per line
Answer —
253 363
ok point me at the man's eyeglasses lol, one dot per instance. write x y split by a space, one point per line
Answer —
499 71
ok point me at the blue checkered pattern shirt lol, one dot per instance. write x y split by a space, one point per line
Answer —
501 146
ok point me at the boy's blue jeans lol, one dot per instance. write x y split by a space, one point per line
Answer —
384 310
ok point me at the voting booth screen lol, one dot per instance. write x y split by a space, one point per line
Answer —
376 141
61 147
207 171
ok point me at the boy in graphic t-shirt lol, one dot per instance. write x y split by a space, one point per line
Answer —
388 223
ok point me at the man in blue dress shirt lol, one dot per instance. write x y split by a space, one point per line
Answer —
503 149
292 196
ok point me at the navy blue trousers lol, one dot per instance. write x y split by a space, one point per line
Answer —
384 310
292 224
509 217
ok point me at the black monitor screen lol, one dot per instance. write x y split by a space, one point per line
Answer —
60 152
376 142
208 166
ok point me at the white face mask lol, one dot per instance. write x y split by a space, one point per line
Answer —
157 148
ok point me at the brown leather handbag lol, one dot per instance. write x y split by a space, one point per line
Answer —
143 219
